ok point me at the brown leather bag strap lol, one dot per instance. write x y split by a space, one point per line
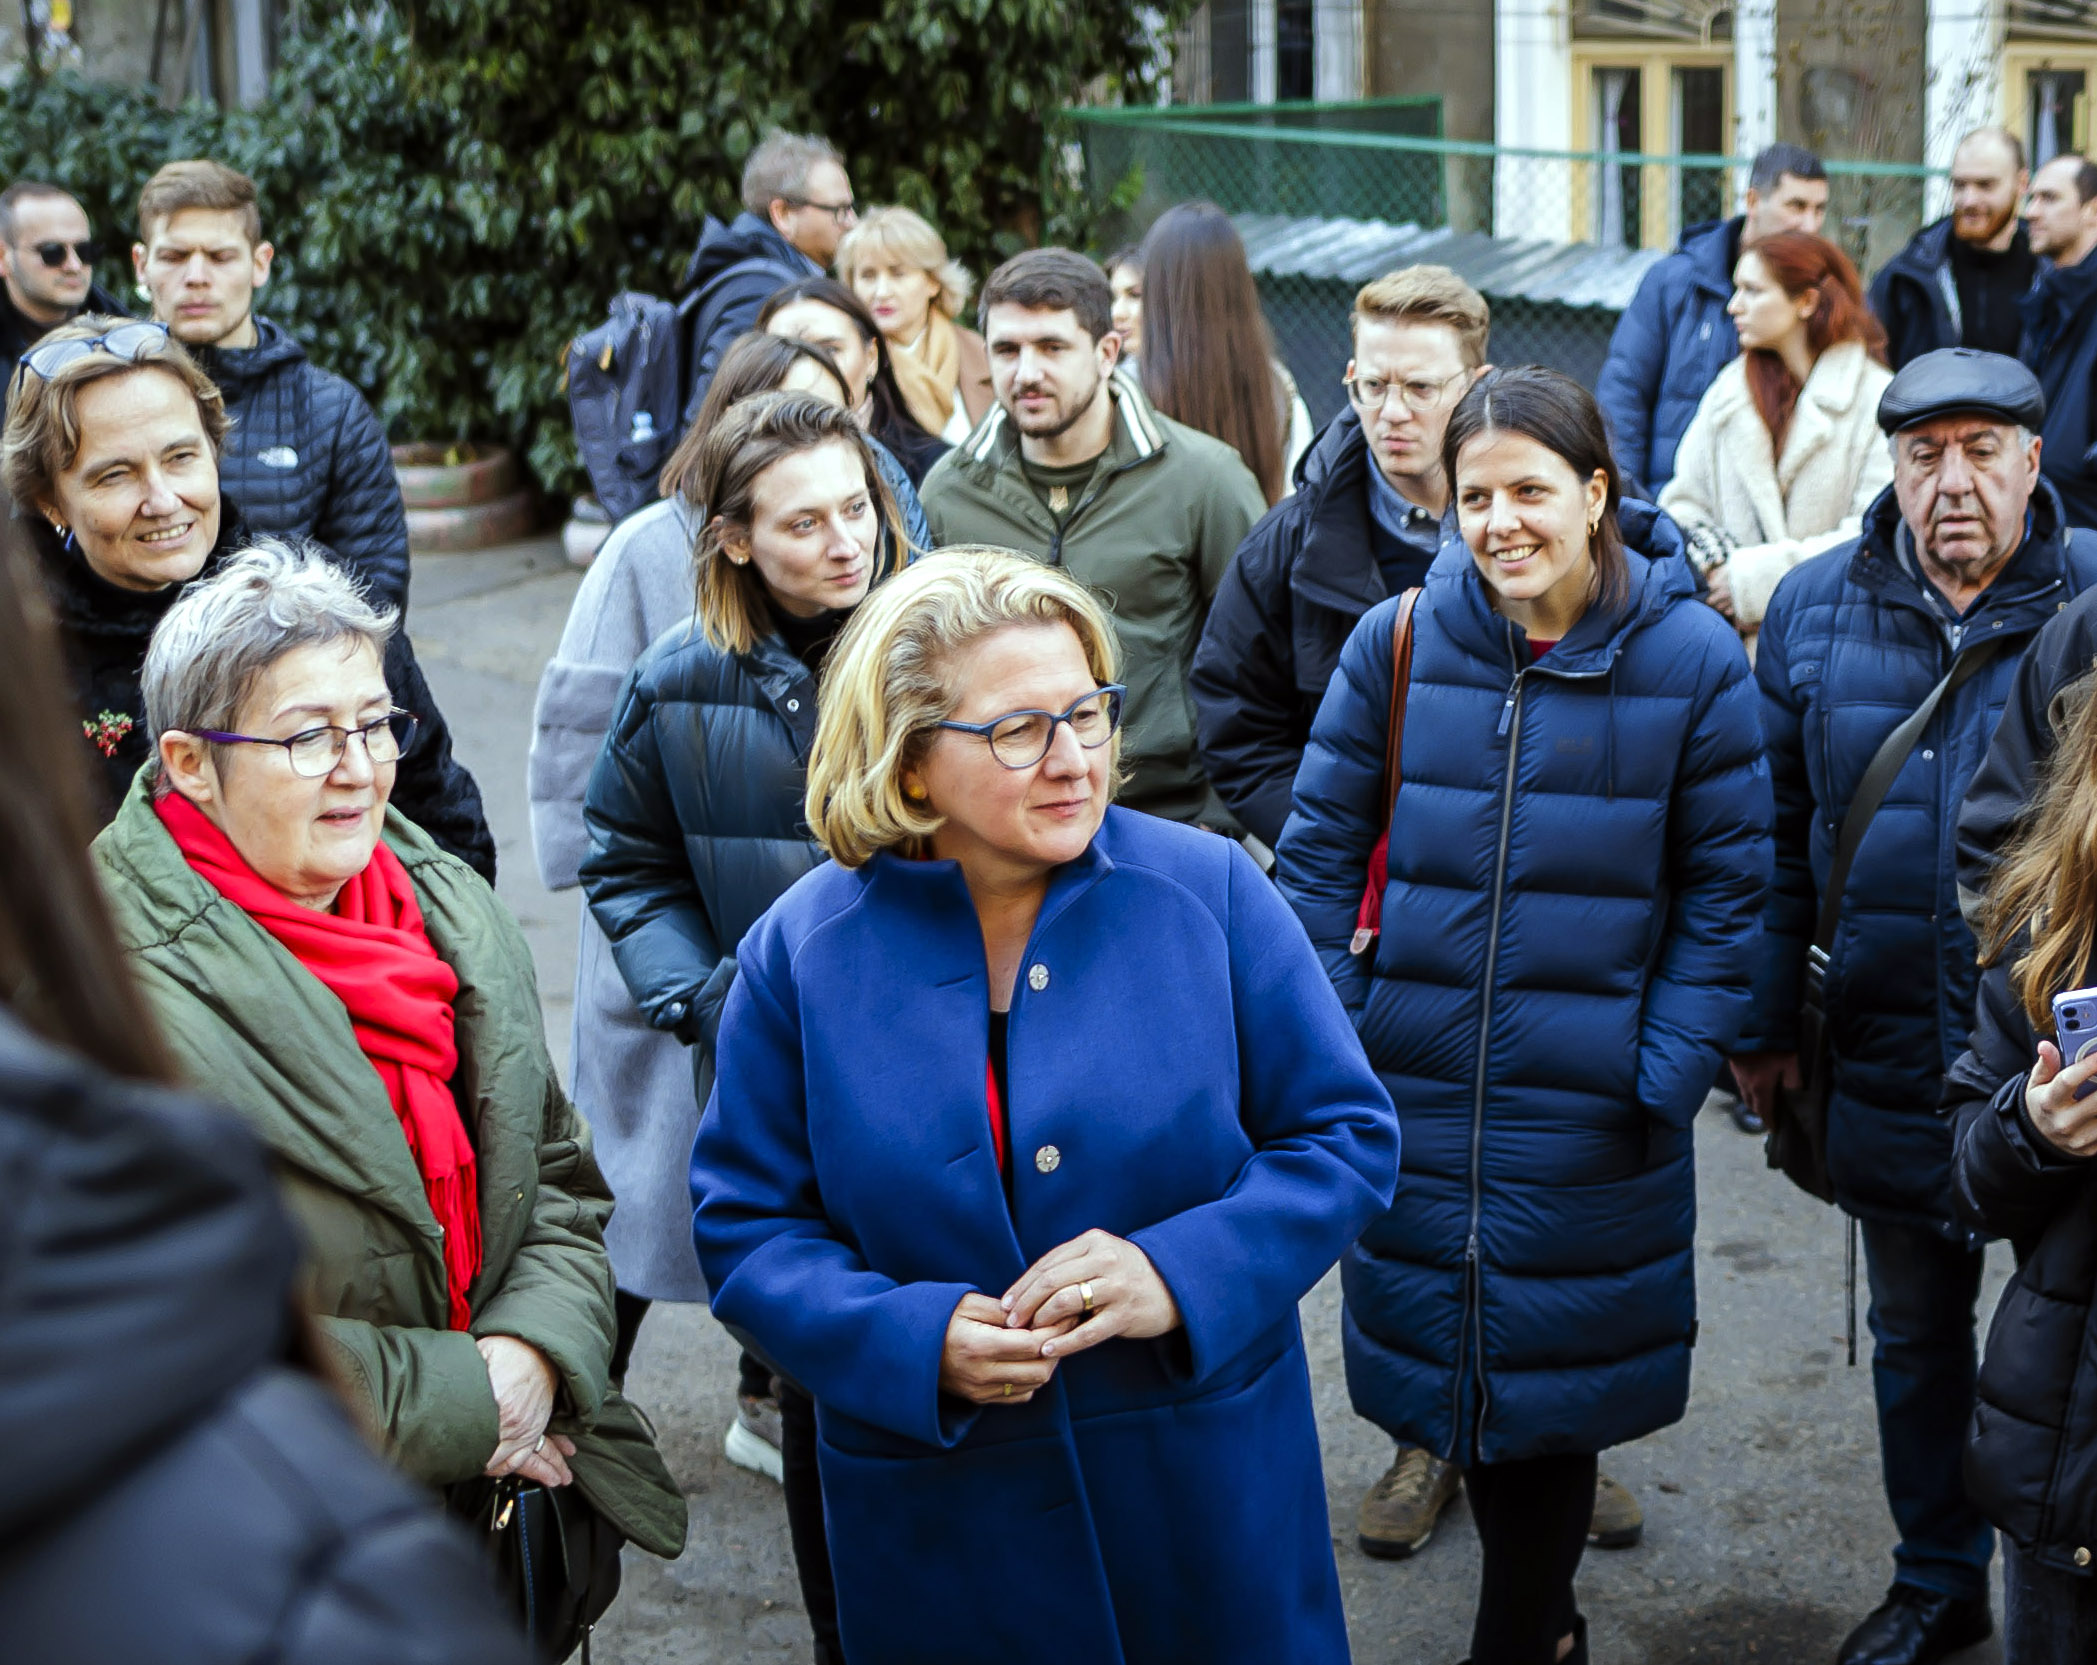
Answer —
1401 682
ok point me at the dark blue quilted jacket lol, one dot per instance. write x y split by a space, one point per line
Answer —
1667 350
694 815
308 459
1579 857
1849 648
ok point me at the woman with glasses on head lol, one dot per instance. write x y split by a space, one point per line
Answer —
111 455
1034 1120
694 817
823 311
366 1003
1784 454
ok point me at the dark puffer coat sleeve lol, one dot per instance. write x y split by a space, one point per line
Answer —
1787 926
1247 709
640 883
2060 656
2007 1181
362 518
432 788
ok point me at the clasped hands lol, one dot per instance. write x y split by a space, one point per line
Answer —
522 1380
1003 1350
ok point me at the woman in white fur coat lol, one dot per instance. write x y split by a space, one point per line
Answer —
1784 454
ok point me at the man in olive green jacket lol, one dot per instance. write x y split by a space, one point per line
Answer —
1075 468
251 1026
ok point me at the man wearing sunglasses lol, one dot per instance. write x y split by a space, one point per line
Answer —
1367 521
47 256
797 207
306 457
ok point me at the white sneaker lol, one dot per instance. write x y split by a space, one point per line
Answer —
753 1438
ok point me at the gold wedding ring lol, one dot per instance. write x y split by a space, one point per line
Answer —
1085 1295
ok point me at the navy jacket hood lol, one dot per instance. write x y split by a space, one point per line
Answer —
745 238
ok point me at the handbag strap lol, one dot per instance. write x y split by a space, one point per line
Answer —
1886 763
1401 682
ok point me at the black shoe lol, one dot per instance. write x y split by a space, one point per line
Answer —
1914 1626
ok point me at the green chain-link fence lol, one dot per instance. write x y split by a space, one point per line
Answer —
1328 196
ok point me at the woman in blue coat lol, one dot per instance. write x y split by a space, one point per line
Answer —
1577 859
1034 1121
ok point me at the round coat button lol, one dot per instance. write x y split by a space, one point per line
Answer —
2082 1558
793 705
1048 1159
674 1011
1037 978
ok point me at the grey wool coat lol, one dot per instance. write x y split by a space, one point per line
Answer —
633 1083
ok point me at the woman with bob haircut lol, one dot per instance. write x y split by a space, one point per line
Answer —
1784 454
898 265
694 818
1569 883
1045 1302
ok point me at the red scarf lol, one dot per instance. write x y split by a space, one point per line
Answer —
374 955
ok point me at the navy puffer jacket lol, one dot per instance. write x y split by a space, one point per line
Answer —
308 459
1578 860
1667 350
695 821
1850 646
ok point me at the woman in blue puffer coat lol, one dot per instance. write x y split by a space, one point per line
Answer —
1577 861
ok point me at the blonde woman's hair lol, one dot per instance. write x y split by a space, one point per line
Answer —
764 429
889 684
2046 880
908 235
42 437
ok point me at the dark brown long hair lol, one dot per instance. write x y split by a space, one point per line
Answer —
1561 416
1797 261
754 363
889 413
1208 359
62 971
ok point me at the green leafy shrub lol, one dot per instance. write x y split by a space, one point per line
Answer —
456 188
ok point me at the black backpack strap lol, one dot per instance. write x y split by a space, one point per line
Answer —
1886 763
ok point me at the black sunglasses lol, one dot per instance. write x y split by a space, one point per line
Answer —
54 254
133 341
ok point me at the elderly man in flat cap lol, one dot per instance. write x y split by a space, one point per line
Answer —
1883 666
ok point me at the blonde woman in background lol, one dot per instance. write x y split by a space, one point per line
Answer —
895 262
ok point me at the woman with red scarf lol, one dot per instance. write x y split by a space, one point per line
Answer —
368 1004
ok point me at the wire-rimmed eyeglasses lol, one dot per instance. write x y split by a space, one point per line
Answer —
1421 393
1021 739
316 752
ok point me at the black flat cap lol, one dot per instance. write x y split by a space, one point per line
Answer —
1962 381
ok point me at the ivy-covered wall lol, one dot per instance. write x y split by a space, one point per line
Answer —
456 188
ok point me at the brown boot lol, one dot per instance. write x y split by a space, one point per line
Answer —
1619 1522
1398 1516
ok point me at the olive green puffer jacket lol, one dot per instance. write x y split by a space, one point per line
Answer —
254 1028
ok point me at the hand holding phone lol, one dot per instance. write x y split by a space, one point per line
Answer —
2057 1094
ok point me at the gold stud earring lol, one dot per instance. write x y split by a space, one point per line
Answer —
914 792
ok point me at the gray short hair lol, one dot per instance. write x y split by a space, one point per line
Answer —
780 166
217 640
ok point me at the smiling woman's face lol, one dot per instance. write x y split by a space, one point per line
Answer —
1528 519
141 497
1016 823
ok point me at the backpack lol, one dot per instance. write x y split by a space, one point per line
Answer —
625 394
634 385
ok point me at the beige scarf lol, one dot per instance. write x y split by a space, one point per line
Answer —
928 373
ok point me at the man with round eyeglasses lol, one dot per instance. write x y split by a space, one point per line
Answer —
1366 522
47 257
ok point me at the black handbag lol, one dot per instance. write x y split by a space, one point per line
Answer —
555 1556
1797 1144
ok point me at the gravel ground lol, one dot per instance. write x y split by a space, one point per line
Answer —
1767 1536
